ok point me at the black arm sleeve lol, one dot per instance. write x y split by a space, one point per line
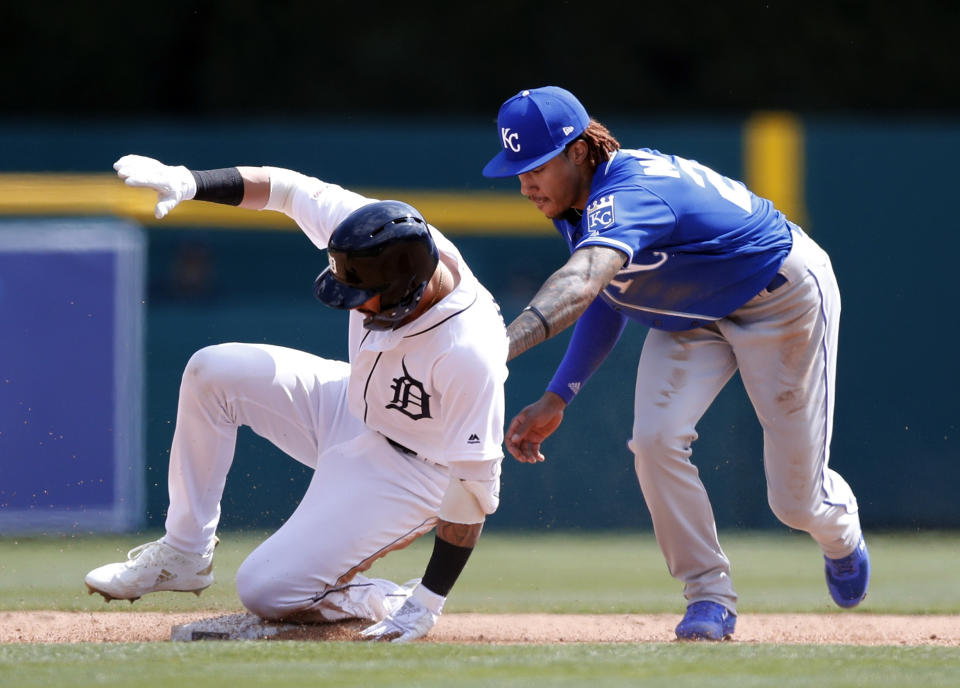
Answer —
445 565
224 185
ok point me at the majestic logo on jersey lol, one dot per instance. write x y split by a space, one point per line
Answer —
473 439
408 394
510 139
574 387
600 213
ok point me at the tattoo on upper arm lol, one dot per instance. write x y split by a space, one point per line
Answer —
459 534
565 296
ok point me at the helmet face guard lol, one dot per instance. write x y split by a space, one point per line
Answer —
383 248
332 291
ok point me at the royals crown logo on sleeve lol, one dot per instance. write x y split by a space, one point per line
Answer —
600 213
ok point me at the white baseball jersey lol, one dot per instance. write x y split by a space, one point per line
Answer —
434 385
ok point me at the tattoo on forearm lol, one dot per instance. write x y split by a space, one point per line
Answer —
565 296
525 333
459 534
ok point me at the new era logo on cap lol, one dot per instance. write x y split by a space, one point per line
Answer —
535 126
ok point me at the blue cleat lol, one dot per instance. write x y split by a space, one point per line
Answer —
847 578
706 621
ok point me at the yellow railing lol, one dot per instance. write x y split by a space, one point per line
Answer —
480 212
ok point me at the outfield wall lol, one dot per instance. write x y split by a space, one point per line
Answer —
876 194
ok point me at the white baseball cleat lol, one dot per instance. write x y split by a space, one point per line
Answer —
152 567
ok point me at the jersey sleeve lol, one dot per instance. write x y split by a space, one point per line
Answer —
627 219
596 333
315 205
473 404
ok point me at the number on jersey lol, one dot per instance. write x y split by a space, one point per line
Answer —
661 166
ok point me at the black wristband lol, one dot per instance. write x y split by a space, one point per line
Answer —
445 565
224 185
543 320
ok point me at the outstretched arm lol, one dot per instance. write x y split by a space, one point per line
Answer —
316 206
247 187
564 297
594 336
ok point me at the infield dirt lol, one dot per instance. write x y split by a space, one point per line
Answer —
821 629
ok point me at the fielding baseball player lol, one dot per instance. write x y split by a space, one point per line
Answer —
724 282
404 437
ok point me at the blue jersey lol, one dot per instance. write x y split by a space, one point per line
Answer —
699 245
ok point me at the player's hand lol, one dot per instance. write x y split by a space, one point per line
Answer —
172 184
413 620
532 426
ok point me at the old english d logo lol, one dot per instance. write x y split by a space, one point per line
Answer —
600 213
409 397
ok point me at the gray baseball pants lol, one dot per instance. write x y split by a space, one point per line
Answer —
784 343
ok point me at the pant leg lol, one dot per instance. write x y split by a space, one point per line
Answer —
366 499
786 346
294 399
678 377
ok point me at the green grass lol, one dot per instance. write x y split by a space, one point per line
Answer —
557 572
344 665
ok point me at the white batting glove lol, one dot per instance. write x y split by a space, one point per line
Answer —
413 620
172 184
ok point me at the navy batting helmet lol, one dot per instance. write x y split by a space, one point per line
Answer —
382 248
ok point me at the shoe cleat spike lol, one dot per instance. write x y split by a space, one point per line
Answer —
105 596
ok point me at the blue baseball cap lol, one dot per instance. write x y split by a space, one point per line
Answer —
535 126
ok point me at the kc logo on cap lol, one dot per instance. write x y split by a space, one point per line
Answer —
510 139
535 125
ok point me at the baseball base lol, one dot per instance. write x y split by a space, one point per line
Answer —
241 626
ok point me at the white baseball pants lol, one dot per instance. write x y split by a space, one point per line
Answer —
785 345
365 498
